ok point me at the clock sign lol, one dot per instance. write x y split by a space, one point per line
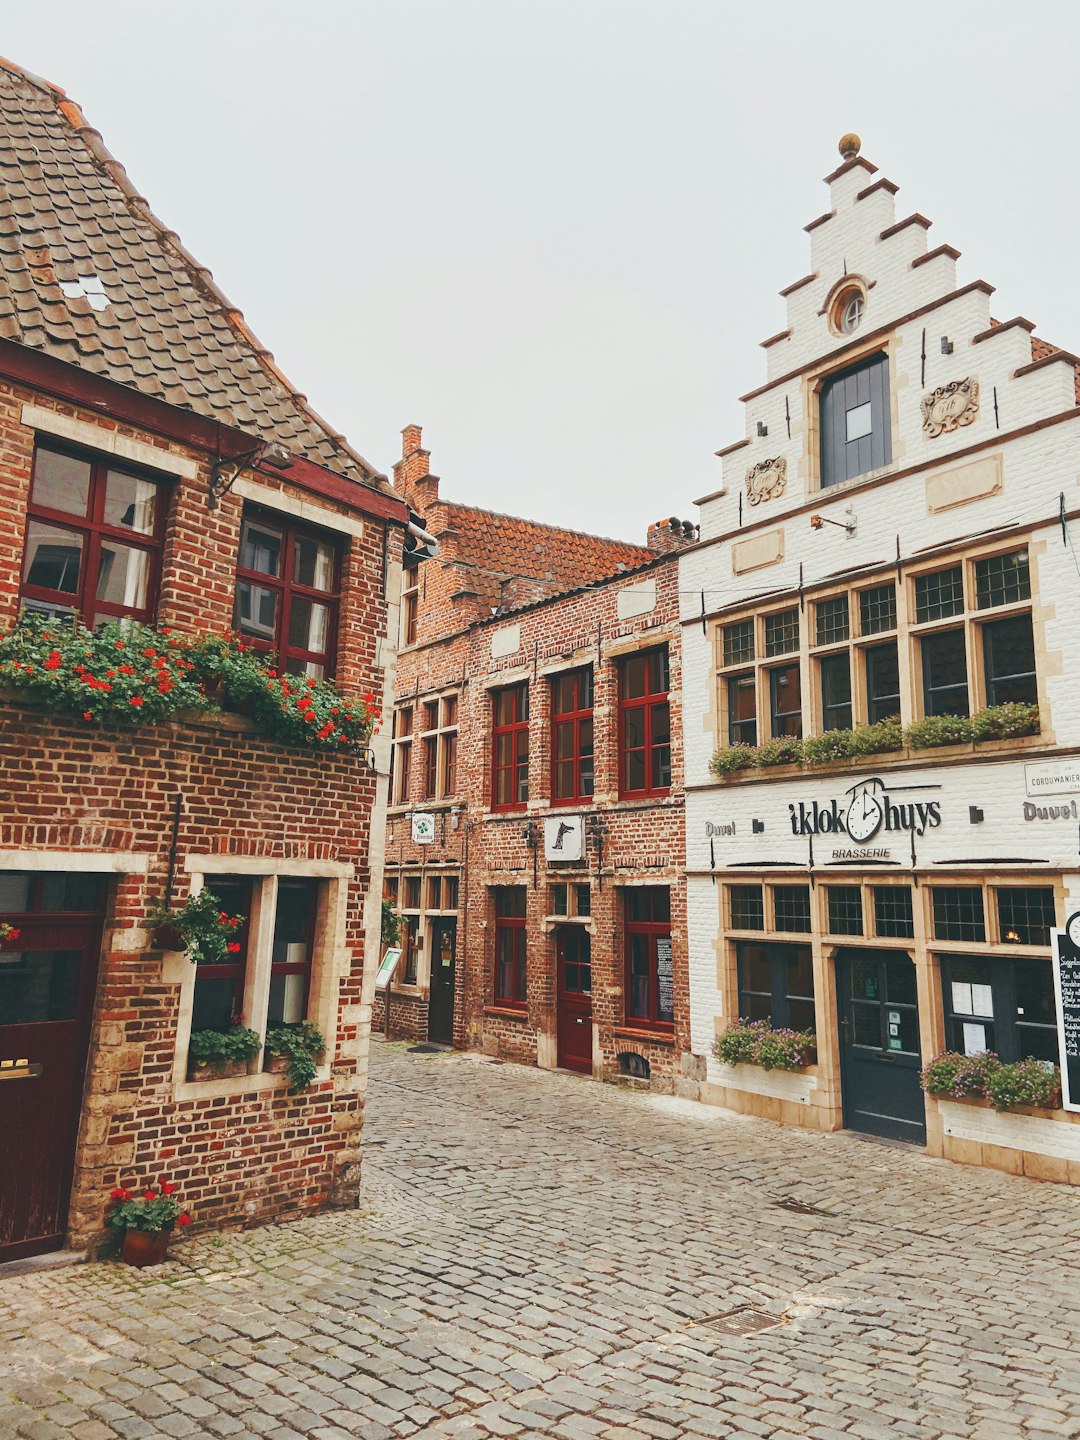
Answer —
864 816
1072 928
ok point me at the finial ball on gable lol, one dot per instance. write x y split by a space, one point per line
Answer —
850 145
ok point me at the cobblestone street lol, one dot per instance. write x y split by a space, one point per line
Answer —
539 1255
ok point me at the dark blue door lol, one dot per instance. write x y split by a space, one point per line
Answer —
880 1058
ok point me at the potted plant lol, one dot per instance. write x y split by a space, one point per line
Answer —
755 1042
145 1221
216 1054
392 923
200 927
293 1050
1034 1084
7 932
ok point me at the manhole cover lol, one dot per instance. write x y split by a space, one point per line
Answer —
743 1320
802 1207
425 1050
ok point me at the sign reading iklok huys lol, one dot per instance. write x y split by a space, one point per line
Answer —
865 811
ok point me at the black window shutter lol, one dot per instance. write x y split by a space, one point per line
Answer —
844 459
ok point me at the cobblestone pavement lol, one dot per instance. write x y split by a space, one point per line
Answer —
538 1255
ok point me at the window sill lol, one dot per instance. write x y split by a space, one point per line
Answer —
240 1085
655 1037
507 1012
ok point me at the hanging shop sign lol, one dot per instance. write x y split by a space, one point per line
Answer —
564 837
1052 777
423 827
866 809
1066 952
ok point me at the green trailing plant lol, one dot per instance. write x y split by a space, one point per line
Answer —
732 758
879 738
303 1044
832 745
222 1047
207 934
936 730
782 751
392 924
755 1042
1004 722
154 1208
1028 1082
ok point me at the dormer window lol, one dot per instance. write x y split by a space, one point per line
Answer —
847 308
856 432
851 314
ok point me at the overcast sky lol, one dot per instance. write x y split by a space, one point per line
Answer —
553 231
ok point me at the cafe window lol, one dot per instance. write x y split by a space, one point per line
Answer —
1026 914
572 737
649 973
644 723
287 582
510 945
746 907
791 908
776 984
894 917
958 912
94 535
411 941
1000 1003
510 748
845 909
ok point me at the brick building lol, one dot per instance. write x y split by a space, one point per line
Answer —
534 836
884 591
155 464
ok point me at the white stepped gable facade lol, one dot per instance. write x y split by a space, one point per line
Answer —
887 548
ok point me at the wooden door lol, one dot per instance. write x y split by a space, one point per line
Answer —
574 1003
47 982
879 1044
441 987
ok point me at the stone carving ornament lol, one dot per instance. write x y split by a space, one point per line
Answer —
766 480
950 406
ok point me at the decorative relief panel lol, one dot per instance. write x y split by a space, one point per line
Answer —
950 406
766 480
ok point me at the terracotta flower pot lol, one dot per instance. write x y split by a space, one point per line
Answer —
145 1247
209 1070
276 1064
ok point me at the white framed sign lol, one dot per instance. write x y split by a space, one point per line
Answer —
390 961
1066 959
423 827
564 837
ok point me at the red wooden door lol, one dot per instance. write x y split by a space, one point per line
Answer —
574 1003
47 981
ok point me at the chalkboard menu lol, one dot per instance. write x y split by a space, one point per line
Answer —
1067 984
665 982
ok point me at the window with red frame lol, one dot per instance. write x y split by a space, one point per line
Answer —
572 737
644 724
510 944
94 534
294 941
510 748
287 581
649 981
219 986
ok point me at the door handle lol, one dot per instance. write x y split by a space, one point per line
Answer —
19 1069
579 1021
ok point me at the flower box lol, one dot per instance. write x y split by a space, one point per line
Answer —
276 1064
217 1070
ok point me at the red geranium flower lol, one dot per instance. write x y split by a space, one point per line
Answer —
149 1195
86 715
326 730
54 661
183 1218
233 947
167 1187
120 1194
13 934
136 700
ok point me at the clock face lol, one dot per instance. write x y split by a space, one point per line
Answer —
864 817
1072 929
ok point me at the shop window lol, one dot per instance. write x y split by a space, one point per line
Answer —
94 535
944 667
785 703
572 737
401 756
894 917
649 973
571 901
1001 1004
855 422
510 748
845 909
644 724
510 945
791 908
1026 915
294 940
776 984
410 603
958 913
835 677
412 892
746 906
287 584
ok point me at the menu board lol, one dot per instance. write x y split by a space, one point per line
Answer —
665 981
390 962
1067 985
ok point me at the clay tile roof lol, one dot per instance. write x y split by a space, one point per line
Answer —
138 308
1042 350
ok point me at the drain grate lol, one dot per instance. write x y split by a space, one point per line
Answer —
743 1320
802 1207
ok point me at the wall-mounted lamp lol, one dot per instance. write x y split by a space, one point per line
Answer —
848 524
762 430
975 815
946 345
758 827
530 833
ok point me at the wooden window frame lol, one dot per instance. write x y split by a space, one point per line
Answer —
652 931
439 741
296 967
93 531
649 704
518 731
401 756
572 719
410 603
289 590
516 928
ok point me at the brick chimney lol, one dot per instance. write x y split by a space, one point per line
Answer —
413 479
664 536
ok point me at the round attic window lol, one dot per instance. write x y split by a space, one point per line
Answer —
848 310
